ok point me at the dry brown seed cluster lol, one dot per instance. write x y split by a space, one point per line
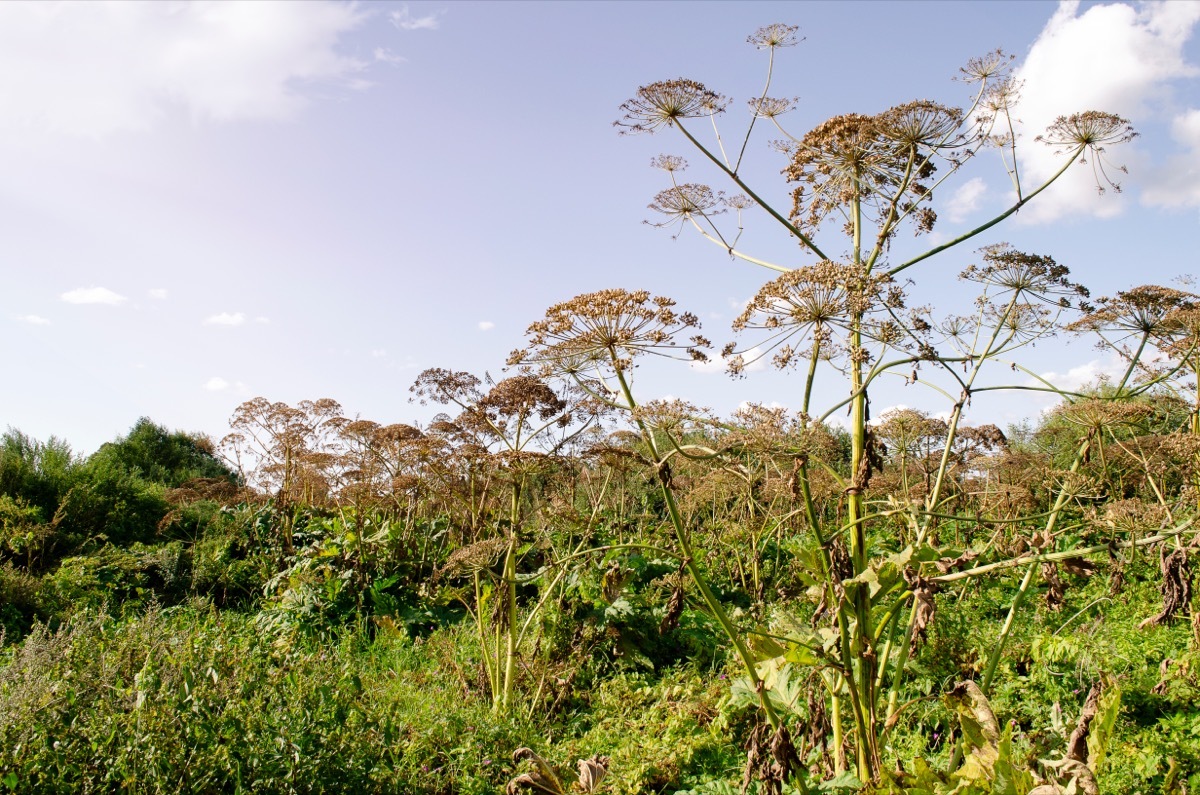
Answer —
879 160
666 102
1091 129
1029 276
984 68
770 107
608 330
825 294
1143 309
1090 132
774 35
669 163
921 124
680 202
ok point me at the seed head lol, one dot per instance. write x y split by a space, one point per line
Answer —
680 202
986 67
770 107
1090 133
774 35
608 330
1030 276
669 163
665 103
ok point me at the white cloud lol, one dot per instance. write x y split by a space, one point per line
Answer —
486 325
1084 374
216 384
1113 58
90 69
378 353
262 321
92 295
1177 183
387 56
226 319
753 357
157 293
965 200
403 19
33 320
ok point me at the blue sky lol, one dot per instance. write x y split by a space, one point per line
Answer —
205 202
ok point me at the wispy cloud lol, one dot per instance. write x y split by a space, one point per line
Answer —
1114 58
385 55
965 200
403 19
157 293
91 69
34 320
92 295
216 384
226 319
486 325
262 321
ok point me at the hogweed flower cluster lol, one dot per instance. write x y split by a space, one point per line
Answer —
666 102
606 330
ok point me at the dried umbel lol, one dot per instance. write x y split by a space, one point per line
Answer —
921 125
987 67
770 107
1094 415
681 202
676 417
669 163
808 304
774 35
665 103
881 161
1015 275
1142 310
1090 132
608 330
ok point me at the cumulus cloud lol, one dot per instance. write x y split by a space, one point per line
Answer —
226 319
403 19
964 201
216 384
34 320
1114 58
157 293
1177 182
1083 375
92 295
90 69
486 325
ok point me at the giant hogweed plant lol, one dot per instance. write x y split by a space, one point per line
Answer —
514 429
858 179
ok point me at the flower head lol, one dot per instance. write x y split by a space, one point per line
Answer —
680 202
665 103
1089 133
774 35
607 330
